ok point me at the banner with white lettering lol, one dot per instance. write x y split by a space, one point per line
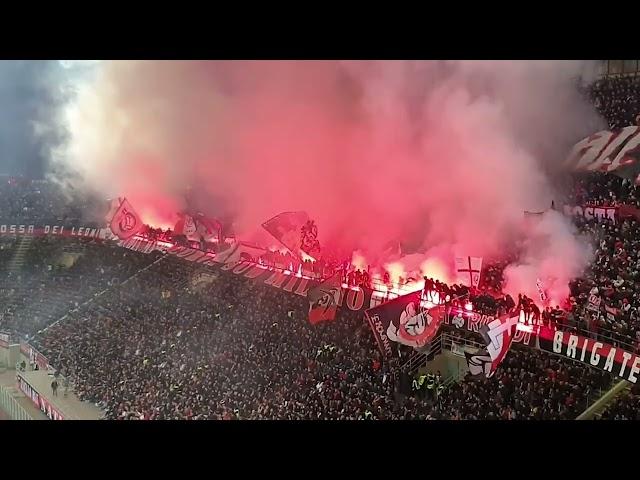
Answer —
473 322
589 212
55 230
625 365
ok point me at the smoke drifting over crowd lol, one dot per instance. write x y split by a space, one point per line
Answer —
28 117
444 156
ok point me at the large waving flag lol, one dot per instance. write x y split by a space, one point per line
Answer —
295 231
387 316
125 222
323 299
469 270
499 335
404 321
416 329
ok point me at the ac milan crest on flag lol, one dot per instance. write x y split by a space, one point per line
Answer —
469 269
295 231
479 363
323 299
499 334
125 222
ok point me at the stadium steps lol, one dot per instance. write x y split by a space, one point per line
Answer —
18 259
594 411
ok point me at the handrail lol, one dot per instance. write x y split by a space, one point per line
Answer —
596 406
418 357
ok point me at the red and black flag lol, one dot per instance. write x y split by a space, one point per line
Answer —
323 299
296 232
499 335
403 320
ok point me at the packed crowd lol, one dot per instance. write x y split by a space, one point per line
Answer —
238 351
56 275
155 348
617 100
528 385
41 203
626 406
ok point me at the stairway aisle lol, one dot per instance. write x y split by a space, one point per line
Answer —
20 254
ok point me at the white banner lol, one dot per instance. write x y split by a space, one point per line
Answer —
594 303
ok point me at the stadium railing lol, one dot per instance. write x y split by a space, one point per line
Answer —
11 406
440 343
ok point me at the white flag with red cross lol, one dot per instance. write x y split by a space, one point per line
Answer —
469 270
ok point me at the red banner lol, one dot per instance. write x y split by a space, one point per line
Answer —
629 211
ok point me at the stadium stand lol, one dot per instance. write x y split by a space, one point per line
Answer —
136 337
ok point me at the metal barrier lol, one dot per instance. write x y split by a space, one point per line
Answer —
418 359
596 407
11 406
440 343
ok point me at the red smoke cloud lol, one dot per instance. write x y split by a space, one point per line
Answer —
444 155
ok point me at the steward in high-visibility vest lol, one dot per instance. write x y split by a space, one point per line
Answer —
421 381
431 383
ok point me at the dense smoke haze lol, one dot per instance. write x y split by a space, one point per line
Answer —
31 96
443 155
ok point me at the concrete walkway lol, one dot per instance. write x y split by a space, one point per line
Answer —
70 406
